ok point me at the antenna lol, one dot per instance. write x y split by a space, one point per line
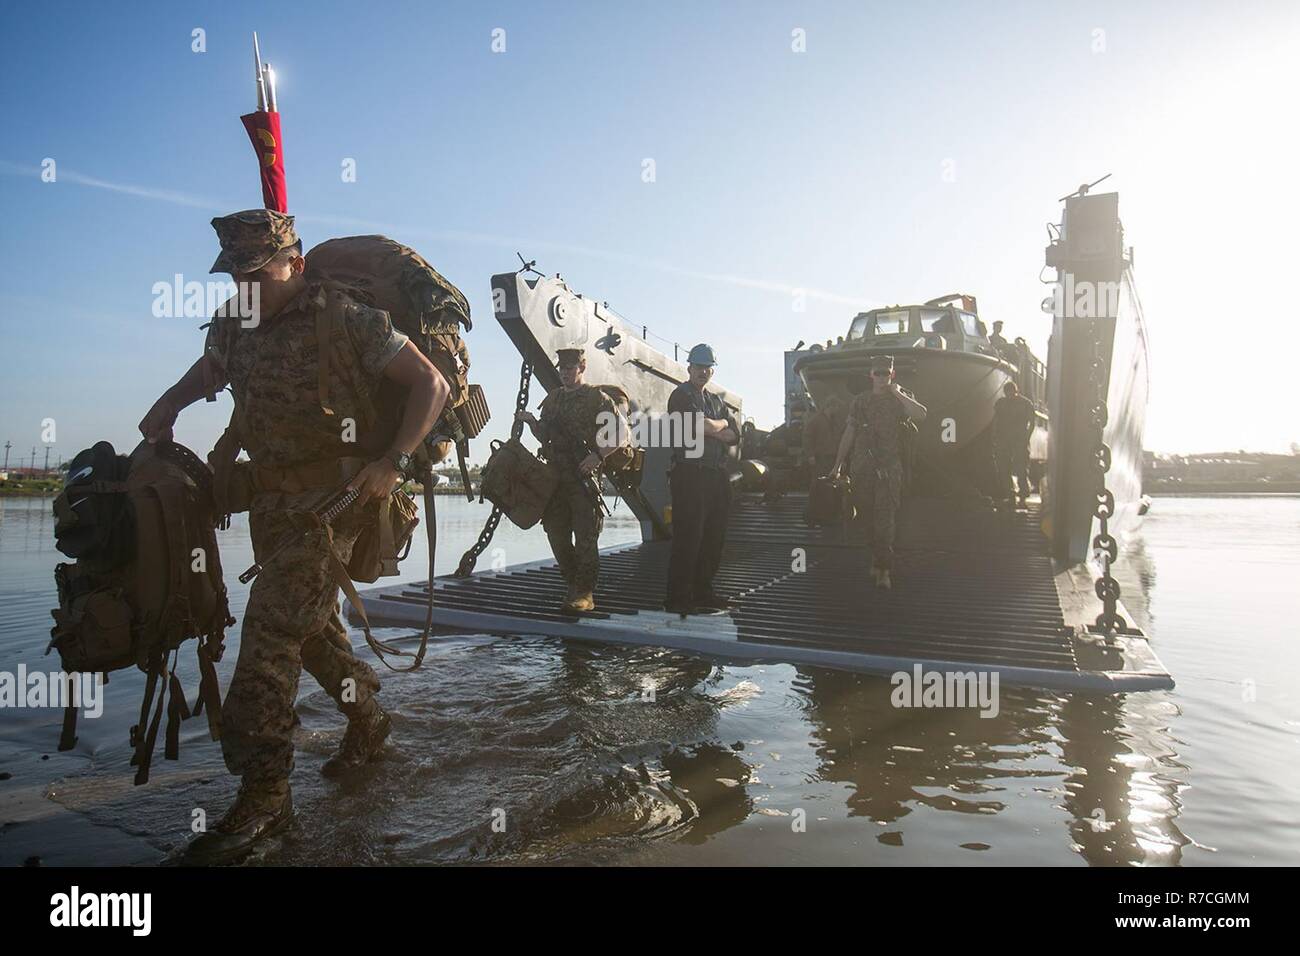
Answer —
528 266
258 74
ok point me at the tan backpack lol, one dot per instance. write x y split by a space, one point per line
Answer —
517 482
422 305
146 578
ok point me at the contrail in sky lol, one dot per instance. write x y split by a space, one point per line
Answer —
506 242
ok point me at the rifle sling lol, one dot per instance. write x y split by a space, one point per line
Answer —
344 581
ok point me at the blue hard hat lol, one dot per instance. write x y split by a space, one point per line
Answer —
702 355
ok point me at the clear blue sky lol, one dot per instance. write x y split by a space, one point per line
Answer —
776 170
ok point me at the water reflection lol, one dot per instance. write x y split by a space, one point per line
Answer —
895 758
1122 790
1112 759
605 754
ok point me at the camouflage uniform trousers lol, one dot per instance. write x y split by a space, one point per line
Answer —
573 524
877 491
1010 460
292 622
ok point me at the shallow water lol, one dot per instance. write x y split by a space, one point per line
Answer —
529 749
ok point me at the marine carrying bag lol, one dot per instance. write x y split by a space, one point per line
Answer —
146 578
828 502
517 482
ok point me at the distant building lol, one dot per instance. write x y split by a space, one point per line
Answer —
1222 466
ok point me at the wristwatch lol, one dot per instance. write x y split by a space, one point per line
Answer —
401 461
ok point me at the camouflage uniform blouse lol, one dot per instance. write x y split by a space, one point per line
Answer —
570 421
876 418
272 370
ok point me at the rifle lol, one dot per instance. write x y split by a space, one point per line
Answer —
590 485
339 501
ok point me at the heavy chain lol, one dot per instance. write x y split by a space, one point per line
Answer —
470 557
1104 546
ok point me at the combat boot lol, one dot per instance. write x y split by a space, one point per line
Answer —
361 742
259 811
583 601
712 601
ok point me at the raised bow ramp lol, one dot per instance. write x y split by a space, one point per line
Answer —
973 591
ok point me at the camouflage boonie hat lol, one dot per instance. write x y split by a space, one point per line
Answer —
885 362
250 239
567 357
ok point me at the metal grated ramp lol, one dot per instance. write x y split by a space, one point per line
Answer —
973 590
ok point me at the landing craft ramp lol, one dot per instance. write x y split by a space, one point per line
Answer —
973 590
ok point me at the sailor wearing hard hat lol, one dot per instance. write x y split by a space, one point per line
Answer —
701 490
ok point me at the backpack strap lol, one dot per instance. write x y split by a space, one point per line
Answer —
324 345
171 502
143 740
331 321
209 380
177 710
209 689
175 612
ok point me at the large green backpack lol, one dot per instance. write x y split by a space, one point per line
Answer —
146 577
423 306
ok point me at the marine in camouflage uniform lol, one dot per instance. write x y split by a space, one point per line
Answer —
873 438
292 620
299 427
572 416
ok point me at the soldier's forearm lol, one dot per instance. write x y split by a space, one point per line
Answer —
424 404
846 446
914 409
191 386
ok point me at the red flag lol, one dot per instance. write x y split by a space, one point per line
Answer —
264 132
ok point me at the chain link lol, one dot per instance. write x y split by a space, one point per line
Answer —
470 557
1104 546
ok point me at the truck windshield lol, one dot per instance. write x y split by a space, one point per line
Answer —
936 320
